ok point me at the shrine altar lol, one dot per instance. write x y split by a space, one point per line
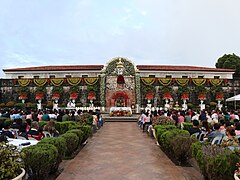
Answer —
120 111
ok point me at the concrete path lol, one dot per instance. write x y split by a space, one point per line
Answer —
120 151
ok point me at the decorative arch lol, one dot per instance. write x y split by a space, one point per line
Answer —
129 67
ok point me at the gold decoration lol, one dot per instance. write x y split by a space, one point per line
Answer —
74 81
182 81
24 82
165 81
40 82
198 81
57 81
90 81
216 82
148 81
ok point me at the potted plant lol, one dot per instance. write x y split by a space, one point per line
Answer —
11 163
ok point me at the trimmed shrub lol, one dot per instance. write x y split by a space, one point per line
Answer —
181 147
87 131
39 159
10 104
20 105
85 119
161 129
219 162
168 135
187 125
63 127
60 144
162 120
79 133
72 142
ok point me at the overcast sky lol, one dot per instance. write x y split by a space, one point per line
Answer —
168 32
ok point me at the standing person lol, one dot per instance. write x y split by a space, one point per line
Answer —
146 120
180 118
140 119
187 117
214 116
175 117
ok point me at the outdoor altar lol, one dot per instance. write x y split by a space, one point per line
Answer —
120 111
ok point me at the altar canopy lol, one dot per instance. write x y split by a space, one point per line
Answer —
234 98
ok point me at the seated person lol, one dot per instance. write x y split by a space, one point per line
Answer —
195 128
16 124
215 133
34 131
229 139
6 131
237 128
22 130
50 127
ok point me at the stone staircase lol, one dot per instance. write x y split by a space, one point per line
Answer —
133 118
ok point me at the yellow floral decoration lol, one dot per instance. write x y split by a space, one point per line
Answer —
182 81
74 81
148 81
24 82
165 81
40 82
57 81
199 81
91 81
216 82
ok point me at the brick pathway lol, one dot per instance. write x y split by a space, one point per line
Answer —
118 151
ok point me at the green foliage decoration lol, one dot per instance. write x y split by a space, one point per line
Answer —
79 133
72 141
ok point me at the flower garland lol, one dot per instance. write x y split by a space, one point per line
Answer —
199 82
57 81
24 82
182 81
165 81
148 81
216 82
91 81
74 81
40 82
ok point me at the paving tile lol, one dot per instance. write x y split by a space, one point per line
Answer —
120 151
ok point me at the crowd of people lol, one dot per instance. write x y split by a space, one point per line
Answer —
206 125
25 123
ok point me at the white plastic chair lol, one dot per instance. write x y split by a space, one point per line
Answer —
46 134
14 131
201 136
217 140
195 134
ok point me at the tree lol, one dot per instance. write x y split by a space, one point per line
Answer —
230 61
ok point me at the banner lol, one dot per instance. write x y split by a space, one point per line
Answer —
198 81
57 81
216 82
74 81
91 81
182 81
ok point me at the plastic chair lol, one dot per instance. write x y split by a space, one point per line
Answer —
201 136
217 140
195 134
15 131
46 134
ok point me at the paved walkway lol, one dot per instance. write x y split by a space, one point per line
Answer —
120 151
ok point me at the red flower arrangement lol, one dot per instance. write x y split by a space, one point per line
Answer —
39 95
167 95
73 95
56 95
91 95
202 96
184 96
23 95
149 95
219 96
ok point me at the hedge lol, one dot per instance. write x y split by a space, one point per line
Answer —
160 129
72 141
79 133
39 159
187 125
168 135
60 144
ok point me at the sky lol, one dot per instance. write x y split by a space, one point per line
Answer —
160 32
